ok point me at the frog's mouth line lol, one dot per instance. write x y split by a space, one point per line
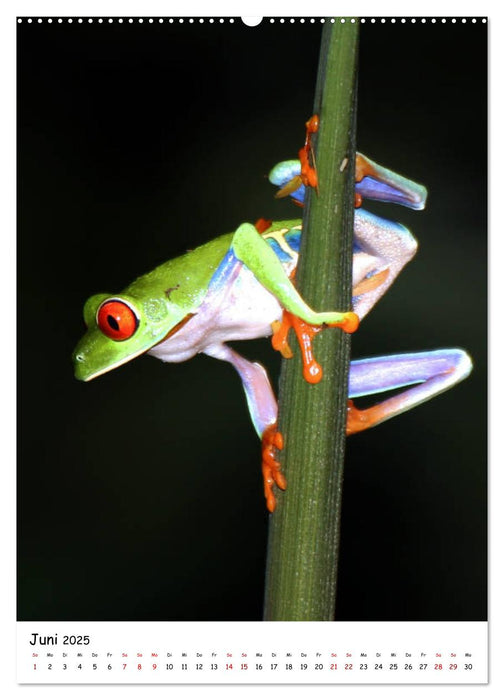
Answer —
109 368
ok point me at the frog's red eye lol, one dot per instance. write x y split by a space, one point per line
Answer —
116 319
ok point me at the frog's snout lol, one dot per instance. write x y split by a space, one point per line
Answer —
80 369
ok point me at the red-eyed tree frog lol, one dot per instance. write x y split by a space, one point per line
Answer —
239 286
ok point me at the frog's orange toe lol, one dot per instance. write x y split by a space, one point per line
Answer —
351 322
272 439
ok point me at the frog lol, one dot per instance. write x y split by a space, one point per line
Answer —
241 286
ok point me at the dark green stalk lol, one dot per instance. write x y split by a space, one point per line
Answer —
304 530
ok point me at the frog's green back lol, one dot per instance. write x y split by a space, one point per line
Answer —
183 281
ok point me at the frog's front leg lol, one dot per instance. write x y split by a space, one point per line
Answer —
431 372
252 250
263 410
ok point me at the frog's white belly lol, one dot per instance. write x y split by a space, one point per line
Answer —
243 311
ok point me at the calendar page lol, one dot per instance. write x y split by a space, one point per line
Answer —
242 242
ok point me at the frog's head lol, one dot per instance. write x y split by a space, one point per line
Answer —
119 328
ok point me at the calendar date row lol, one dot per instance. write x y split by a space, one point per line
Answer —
256 666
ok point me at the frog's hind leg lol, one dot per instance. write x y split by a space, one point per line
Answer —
373 181
263 411
381 249
431 372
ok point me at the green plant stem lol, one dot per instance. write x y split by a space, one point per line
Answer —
304 530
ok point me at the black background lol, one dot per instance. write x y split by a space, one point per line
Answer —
140 495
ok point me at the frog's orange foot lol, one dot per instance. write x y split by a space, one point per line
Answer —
312 371
312 126
309 176
357 420
363 168
279 338
272 440
308 171
349 324
362 419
